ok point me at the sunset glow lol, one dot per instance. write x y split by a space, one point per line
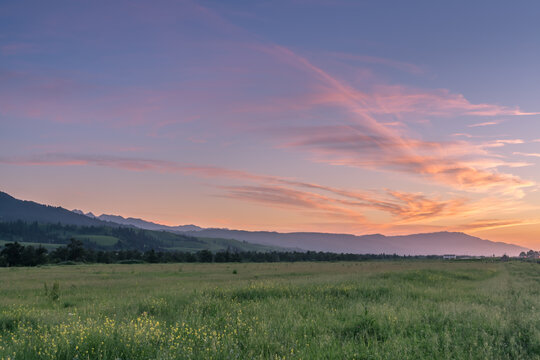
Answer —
281 116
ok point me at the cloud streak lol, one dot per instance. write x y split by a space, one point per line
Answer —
275 191
486 123
526 154
456 164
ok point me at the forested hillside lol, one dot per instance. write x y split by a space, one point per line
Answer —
116 238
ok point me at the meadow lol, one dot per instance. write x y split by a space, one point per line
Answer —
343 310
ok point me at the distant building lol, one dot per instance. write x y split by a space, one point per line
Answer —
449 256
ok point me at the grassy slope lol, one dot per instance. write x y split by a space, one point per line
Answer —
368 310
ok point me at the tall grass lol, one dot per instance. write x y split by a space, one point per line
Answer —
370 310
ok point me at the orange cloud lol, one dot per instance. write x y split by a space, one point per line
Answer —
413 211
287 197
457 164
363 140
489 224
276 191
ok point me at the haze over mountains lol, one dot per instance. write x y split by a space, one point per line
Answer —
438 243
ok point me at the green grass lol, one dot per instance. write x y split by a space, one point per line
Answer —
364 310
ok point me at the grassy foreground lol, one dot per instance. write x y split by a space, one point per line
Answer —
366 310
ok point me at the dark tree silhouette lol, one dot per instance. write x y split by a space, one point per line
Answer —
13 254
75 250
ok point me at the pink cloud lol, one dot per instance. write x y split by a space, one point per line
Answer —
349 207
510 141
366 142
291 198
527 154
457 163
503 142
489 224
366 127
274 191
486 123
385 99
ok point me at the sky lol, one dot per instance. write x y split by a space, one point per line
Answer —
357 117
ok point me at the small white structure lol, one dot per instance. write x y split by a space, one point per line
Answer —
449 256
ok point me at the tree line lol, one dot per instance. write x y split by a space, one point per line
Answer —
15 254
531 254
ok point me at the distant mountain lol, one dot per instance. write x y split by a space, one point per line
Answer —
12 209
439 243
80 212
148 225
103 235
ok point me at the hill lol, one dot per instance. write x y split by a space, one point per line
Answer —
31 223
438 243
163 236
52 235
12 209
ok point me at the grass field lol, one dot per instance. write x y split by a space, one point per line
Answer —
364 310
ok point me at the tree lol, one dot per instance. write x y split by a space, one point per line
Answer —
75 250
151 256
13 254
205 256
28 256
41 255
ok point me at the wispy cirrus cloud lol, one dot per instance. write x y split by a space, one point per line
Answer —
364 141
490 224
457 164
486 123
272 190
502 142
234 83
510 141
383 98
526 154
283 197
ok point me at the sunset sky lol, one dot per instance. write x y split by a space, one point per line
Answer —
390 117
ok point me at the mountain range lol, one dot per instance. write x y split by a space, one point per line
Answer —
140 223
437 243
12 209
